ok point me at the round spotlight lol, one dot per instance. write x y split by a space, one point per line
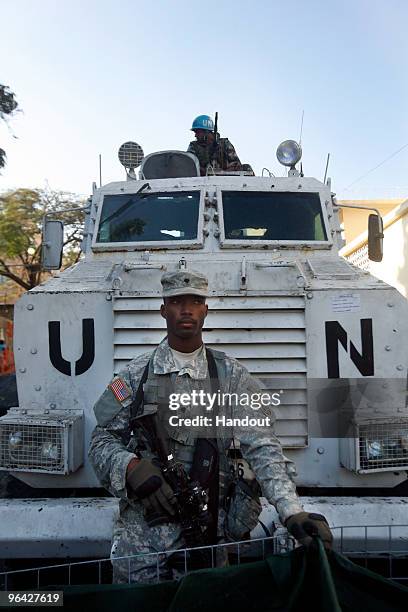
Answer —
50 451
16 440
130 154
404 443
374 449
289 153
392 448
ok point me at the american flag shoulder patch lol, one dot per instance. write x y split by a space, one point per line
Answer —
120 389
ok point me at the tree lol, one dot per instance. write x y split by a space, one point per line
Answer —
8 105
21 219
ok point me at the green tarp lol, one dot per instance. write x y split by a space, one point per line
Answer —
296 581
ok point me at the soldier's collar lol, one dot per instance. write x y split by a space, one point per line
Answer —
163 363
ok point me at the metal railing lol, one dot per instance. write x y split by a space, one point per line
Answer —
381 548
359 258
100 571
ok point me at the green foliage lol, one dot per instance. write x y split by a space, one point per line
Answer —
21 219
8 104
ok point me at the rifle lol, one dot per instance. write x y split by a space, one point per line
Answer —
192 508
213 155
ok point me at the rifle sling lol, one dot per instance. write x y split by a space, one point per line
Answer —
202 445
137 404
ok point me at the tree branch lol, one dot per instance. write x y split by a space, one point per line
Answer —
73 238
5 266
15 278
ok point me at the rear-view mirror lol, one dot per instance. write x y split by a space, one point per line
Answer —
375 238
52 243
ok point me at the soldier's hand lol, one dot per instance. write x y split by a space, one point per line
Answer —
304 525
147 482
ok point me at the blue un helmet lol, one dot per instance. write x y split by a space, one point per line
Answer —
203 122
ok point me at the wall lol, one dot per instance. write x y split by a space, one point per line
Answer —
393 269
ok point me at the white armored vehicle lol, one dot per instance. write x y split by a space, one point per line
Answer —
328 337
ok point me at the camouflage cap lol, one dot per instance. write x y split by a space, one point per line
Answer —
184 283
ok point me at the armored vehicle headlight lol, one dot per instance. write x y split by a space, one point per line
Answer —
41 443
392 447
374 449
50 451
289 153
404 443
376 446
15 440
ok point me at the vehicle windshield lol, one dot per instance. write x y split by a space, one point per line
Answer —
144 217
272 216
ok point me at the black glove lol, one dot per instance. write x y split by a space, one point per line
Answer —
147 482
304 525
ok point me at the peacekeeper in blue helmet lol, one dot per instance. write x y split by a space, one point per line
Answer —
211 150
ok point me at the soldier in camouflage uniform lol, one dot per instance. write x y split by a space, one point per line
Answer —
123 462
223 153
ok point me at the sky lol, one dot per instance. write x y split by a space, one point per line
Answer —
92 74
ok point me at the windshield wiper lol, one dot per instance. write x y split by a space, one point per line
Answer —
125 205
143 187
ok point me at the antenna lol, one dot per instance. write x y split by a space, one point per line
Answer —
100 170
301 127
327 165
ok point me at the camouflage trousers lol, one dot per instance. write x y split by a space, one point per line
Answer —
139 552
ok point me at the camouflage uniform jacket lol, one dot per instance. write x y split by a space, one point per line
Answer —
112 446
226 157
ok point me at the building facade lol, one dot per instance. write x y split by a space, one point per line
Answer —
393 269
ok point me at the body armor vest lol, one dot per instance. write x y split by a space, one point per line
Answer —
182 442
